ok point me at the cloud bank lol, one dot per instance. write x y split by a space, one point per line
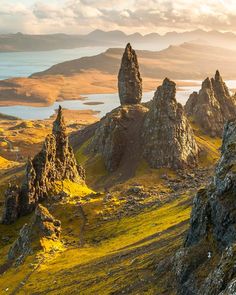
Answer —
82 16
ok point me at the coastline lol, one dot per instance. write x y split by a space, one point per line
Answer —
45 91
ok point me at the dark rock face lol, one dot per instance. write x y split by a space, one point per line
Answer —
212 106
167 135
117 133
43 225
214 207
11 204
129 79
55 162
212 231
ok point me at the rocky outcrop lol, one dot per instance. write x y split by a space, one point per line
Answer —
10 210
55 162
42 226
168 138
160 133
214 207
129 78
212 233
118 136
212 106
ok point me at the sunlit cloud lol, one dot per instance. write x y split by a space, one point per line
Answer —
81 16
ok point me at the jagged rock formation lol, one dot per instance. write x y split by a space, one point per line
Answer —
212 232
55 162
129 78
167 135
42 226
212 106
117 138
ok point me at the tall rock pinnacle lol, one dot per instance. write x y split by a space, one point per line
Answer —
55 162
167 135
129 78
212 106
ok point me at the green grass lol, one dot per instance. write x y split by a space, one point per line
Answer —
116 254
94 166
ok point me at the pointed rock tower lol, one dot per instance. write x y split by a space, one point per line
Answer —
129 78
168 138
55 162
212 106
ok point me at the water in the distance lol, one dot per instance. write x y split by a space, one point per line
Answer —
23 64
109 102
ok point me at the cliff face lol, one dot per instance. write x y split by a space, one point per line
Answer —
212 106
211 238
167 135
118 136
55 162
214 207
129 78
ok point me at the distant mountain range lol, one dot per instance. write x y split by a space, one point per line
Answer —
153 41
185 61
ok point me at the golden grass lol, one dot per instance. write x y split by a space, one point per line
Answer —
94 165
210 146
6 164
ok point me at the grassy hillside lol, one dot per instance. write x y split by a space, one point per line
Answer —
115 242
104 256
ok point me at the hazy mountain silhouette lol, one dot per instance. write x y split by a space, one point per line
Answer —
152 41
185 61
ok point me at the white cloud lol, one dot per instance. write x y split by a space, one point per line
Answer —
77 16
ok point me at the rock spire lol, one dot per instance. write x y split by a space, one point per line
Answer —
129 78
55 162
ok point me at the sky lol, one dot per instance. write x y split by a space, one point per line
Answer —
144 16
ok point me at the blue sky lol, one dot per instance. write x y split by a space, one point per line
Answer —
144 16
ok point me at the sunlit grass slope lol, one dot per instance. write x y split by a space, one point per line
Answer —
116 256
210 147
